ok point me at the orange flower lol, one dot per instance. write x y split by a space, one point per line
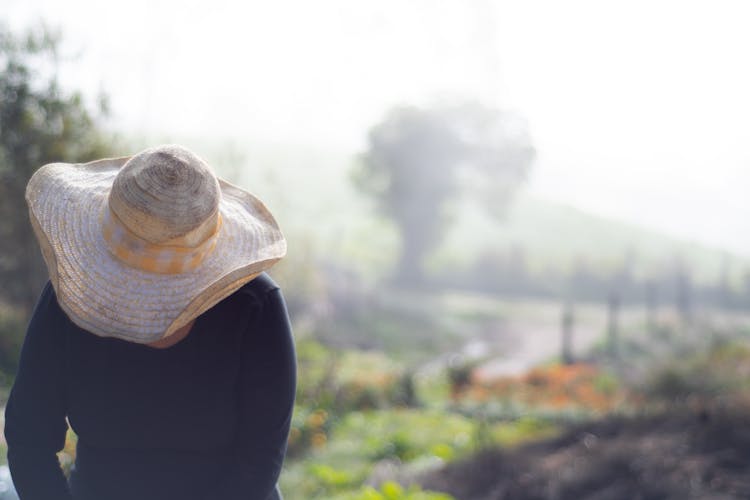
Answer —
318 440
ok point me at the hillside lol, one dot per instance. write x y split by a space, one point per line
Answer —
555 235
310 193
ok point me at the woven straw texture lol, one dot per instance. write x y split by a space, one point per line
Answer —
68 204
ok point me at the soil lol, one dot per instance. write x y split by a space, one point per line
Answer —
677 455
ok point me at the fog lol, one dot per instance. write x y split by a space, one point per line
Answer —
638 110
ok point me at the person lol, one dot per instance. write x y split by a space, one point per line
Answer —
159 337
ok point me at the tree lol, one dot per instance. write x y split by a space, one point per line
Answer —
39 123
419 159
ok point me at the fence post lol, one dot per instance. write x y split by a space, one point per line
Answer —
567 321
613 309
684 295
652 305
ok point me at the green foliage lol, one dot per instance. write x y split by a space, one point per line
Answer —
393 491
359 440
414 439
310 427
345 380
338 382
39 123
12 328
407 435
330 478
606 383
527 428
721 370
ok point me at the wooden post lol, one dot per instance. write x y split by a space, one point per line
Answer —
613 309
684 295
567 321
652 306
725 290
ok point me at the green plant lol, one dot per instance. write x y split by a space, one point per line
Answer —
394 491
12 328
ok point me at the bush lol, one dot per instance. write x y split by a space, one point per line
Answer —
12 331
723 370
394 491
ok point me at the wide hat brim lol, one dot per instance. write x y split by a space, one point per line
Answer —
103 295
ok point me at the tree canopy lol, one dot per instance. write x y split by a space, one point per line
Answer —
418 159
40 123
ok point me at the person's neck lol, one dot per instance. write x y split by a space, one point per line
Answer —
178 335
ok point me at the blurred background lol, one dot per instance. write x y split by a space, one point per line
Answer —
519 264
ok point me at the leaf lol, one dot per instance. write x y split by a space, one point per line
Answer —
392 490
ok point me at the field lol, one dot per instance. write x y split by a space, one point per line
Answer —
397 402
487 411
486 375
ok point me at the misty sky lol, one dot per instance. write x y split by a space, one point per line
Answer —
639 109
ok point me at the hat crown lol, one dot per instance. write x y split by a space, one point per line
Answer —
164 193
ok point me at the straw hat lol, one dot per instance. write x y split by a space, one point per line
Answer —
137 247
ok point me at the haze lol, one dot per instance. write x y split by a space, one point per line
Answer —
639 110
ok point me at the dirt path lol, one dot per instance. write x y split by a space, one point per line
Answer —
527 335
524 346
530 334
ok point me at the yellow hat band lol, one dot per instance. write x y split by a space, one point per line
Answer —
136 252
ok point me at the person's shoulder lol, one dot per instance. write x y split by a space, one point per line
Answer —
47 302
259 287
48 316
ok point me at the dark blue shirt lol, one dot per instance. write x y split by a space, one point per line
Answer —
207 418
